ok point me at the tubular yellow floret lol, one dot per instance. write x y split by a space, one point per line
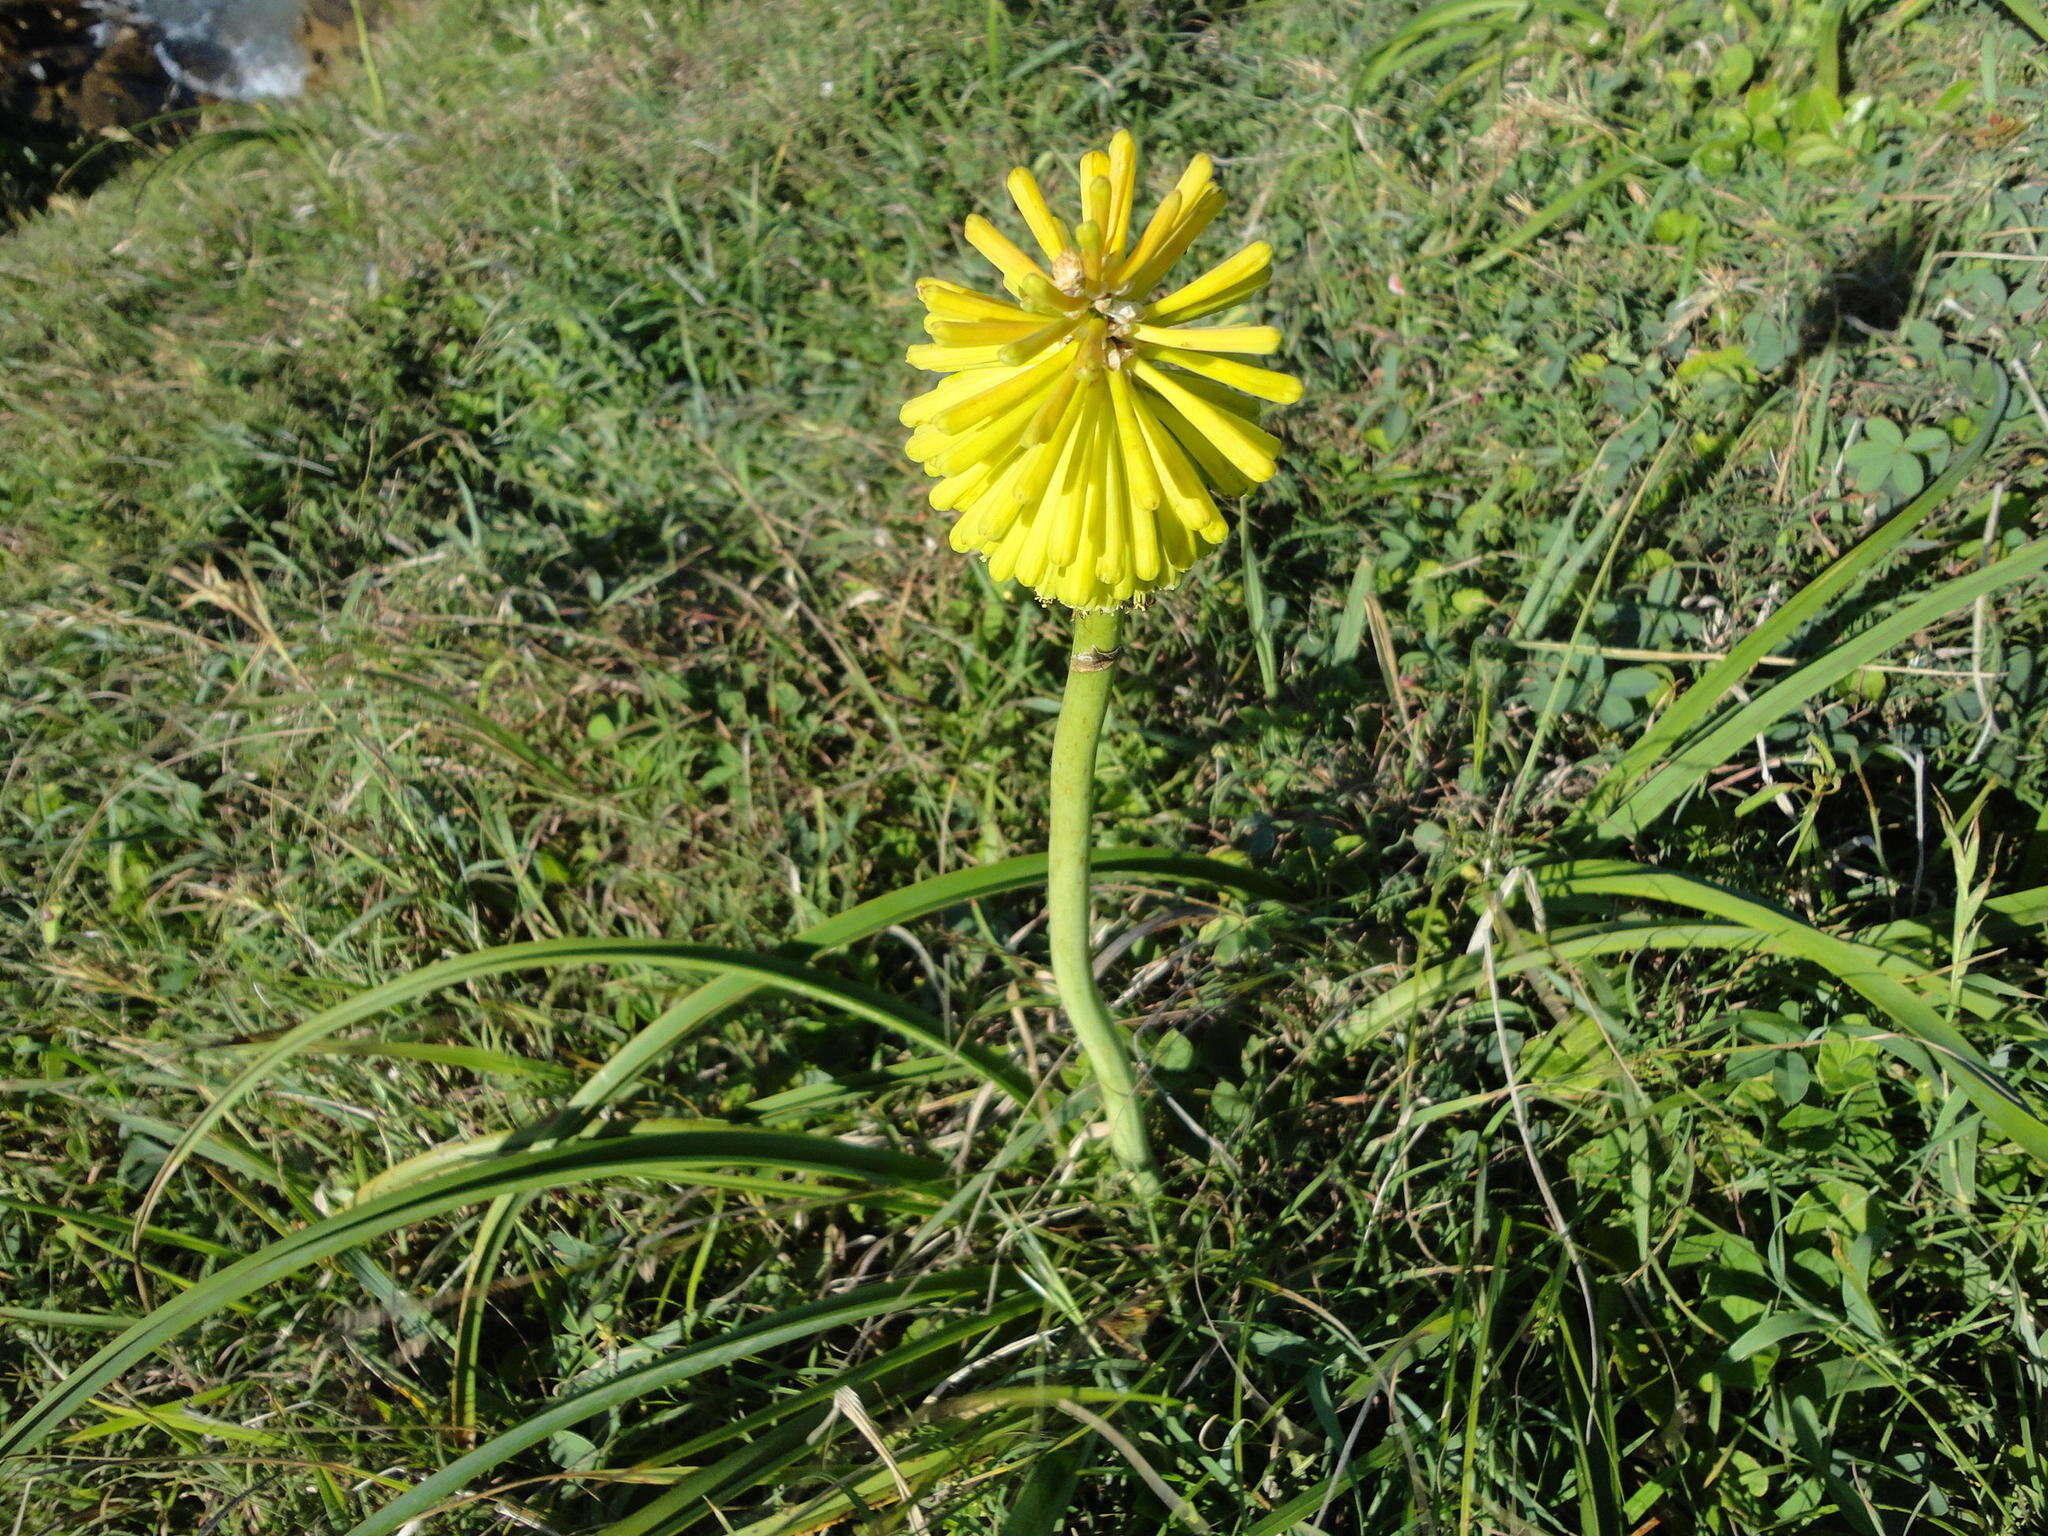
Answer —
1044 224
1052 415
1265 383
1183 493
1123 178
1248 448
1164 217
974 333
950 390
1253 340
1095 194
1230 298
1143 277
1113 548
956 302
1027 347
1079 439
1215 471
1193 300
999 394
1143 480
1003 253
935 357
992 440
1037 290
1083 476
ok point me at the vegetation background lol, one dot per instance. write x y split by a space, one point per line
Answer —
466 507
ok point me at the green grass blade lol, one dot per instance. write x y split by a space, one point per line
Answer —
1579 195
688 1501
116 1224
2029 15
674 1507
1718 683
674 1155
861 1497
466 1058
431 1164
1680 773
509 742
736 1344
1466 974
1387 59
43 1317
1461 977
1302 1513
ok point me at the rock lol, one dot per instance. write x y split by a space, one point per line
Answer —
69 69
66 73
73 72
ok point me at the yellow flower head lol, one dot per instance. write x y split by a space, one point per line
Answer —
1083 425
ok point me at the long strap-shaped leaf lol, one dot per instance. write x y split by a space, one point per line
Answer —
698 1495
1464 975
735 1344
625 1065
1681 773
772 972
1674 730
697 1008
673 1155
437 1161
744 974
1851 964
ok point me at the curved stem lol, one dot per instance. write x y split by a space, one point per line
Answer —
1089 670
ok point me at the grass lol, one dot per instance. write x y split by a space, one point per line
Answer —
470 512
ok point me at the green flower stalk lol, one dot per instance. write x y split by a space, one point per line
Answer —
1069 910
1082 434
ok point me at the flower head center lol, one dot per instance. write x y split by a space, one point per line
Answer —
1104 339
1110 330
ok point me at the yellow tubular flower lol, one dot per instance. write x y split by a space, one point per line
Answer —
1073 458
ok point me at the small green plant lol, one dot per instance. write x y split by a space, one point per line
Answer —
1888 461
